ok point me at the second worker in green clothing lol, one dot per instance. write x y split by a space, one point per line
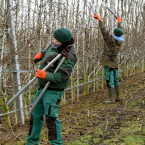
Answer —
109 59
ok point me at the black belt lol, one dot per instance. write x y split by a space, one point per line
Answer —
56 89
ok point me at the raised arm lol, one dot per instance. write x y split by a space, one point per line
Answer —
104 32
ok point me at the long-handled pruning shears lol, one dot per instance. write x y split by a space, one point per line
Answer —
93 9
110 10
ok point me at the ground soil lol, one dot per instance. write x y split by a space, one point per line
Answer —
90 122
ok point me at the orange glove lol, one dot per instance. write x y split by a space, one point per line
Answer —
119 19
38 57
41 74
97 17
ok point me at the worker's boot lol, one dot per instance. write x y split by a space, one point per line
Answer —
111 96
117 91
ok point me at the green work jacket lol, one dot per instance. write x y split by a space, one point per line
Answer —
111 50
60 79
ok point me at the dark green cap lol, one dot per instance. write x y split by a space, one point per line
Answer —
118 32
63 35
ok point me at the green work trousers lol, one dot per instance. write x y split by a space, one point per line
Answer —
112 77
48 106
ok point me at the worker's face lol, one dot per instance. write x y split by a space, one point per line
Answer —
56 41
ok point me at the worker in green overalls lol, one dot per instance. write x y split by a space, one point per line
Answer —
48 105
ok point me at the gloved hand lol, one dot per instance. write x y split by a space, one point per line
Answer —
38 57
119 19
41 74
97 17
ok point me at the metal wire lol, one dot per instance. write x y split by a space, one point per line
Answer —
15 110
69 89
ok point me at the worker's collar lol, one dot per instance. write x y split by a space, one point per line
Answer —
121 38
53 45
